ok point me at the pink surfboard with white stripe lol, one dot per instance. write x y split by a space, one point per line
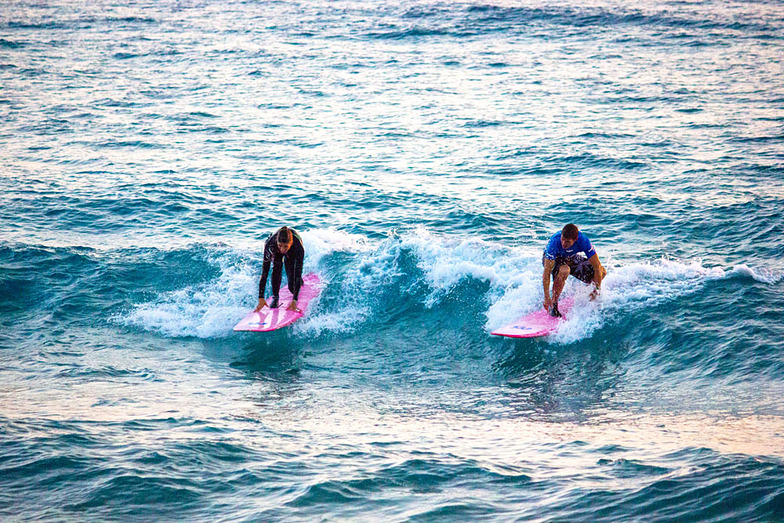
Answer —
272 319
536 324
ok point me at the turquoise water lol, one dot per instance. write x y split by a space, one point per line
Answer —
425 151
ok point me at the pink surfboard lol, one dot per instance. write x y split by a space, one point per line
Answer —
271 319
536 324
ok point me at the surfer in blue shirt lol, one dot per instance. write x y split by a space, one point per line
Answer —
569 252
282 249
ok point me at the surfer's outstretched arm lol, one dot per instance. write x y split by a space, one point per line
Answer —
295 258
599 272
263 285
265 268
548 269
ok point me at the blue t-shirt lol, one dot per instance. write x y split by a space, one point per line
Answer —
555 249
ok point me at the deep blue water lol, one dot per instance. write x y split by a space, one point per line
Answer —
425 151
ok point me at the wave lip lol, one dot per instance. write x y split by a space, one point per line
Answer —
370 281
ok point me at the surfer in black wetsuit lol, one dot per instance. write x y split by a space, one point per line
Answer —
283 248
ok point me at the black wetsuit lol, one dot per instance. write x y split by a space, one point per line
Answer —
292 260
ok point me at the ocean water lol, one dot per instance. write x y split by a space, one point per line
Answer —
425 151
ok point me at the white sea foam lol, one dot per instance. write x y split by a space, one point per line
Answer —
761 275
342 321
445 261
375 268
323 242
206 310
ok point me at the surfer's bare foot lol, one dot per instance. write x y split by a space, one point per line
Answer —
554 312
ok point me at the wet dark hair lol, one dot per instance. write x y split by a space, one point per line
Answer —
284 236
570 231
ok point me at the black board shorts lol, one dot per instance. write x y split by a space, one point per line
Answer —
579 267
